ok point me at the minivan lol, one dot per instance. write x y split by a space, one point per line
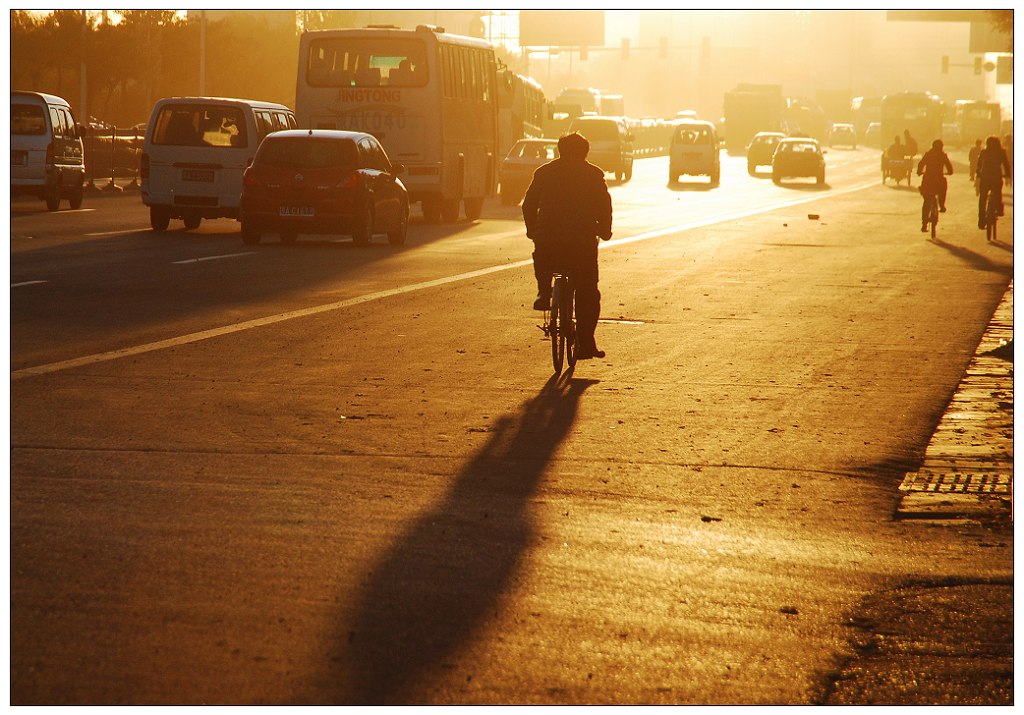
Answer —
694 150
611 144
47 156
195 152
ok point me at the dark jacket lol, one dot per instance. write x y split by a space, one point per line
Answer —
567 200
993 164
931 165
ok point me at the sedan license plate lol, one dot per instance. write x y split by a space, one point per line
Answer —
197 175
296 211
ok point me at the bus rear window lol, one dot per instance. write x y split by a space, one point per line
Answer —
27 119
200 125
366 62
307 153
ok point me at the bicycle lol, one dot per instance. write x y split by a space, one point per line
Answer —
931 212
991 215
560 323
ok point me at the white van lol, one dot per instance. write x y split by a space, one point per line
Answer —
611 144
195 152
694 150
47 156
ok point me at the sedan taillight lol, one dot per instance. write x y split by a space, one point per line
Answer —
349 182
249 179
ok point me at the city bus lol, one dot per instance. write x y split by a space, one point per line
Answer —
977 120
522 109
864 111
919 112
429 97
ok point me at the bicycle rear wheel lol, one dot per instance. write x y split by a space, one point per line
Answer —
555 327
567 322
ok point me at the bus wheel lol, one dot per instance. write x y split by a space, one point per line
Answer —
474 207
450 210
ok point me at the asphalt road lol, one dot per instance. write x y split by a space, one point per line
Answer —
319 473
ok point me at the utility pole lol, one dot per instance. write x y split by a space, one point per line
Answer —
202 53
83 89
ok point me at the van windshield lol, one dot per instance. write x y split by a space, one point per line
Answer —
27 119
307 153
201 125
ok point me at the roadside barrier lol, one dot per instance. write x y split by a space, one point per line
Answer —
112 154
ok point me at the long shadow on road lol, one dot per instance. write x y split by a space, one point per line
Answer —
977 260
444 576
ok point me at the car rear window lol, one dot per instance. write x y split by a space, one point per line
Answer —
307 153
798 146
27 119
201 125
534 150
598 131
693 135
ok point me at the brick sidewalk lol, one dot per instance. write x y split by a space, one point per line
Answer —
968 467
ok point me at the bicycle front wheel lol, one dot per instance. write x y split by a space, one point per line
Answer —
555 328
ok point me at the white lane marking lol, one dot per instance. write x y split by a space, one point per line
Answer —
370 297
26 283
122 232
213 258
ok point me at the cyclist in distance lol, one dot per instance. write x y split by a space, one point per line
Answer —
932 165
566 209
993 165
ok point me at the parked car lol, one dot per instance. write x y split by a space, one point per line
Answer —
761 150
798 157
516 170
47 156
323 181
694 150
611 144
842 135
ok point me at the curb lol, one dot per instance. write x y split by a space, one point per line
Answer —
968 466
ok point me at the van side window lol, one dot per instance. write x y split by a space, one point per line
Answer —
57 122
263 124
71 131
27 119
280 121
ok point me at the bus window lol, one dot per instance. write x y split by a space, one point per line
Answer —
366 62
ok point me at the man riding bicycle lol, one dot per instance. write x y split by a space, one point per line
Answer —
933 165
566 209
993 165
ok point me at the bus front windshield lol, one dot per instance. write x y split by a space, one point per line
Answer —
367 62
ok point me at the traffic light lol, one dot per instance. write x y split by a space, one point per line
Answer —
625 48
977 65
662 47
945 64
